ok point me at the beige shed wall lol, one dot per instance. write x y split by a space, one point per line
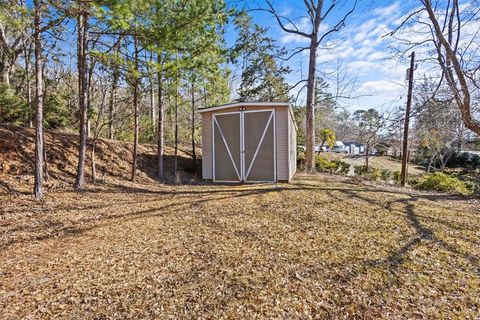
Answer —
292 145
281 127
207 146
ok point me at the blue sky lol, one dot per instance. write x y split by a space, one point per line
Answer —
364 57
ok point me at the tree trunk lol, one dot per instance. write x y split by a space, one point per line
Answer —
82 96
5 70
430 162
89 94
321 146
45 160
194 155
135 112
403 174
38 187
175 164
112 102
310 112
152 106
442 163
367 151
93 164
27 52
152 96
161 141
454 72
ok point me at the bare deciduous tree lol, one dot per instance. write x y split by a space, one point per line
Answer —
82 31
136 85
37 38
450 60
370 122
455 50
160 125
317 12
11 38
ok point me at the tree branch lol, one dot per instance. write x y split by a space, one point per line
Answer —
339 25
280 23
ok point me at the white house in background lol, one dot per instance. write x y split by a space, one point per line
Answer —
339 147
353 147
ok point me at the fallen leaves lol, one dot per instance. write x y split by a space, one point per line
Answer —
317 248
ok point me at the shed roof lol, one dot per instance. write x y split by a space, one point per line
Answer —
244 104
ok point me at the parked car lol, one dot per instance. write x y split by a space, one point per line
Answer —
339 149
324 148
316 149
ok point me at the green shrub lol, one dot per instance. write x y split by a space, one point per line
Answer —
342 167
466 160
300 159
413 181
473 187
56 111
13 108
386 174
439 181
397 175
376 174
147 133
359 170
324 165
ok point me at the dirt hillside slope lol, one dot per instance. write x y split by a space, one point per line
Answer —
113 160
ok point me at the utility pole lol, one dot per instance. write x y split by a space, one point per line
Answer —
407 120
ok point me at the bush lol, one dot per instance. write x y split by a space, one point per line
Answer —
13 108
343 167
324 165
473 187
386 174
147 134
397 176
300 159
335 166
370 174
466 160
376 174
359 170
441 182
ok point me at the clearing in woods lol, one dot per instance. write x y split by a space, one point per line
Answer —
318 247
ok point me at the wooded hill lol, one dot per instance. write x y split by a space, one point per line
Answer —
113 160
137 70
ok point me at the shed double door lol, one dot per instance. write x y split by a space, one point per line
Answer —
244 146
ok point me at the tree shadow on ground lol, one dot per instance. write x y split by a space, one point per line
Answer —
185 198
62 230
423 235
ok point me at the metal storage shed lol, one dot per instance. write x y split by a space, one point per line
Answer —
249 142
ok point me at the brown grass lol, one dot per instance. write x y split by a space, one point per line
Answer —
319 248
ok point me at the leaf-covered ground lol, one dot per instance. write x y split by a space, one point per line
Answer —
317 248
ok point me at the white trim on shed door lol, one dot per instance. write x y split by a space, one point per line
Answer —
216 125
243 172
269 124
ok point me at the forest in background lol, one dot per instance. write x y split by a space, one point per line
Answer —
138 70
